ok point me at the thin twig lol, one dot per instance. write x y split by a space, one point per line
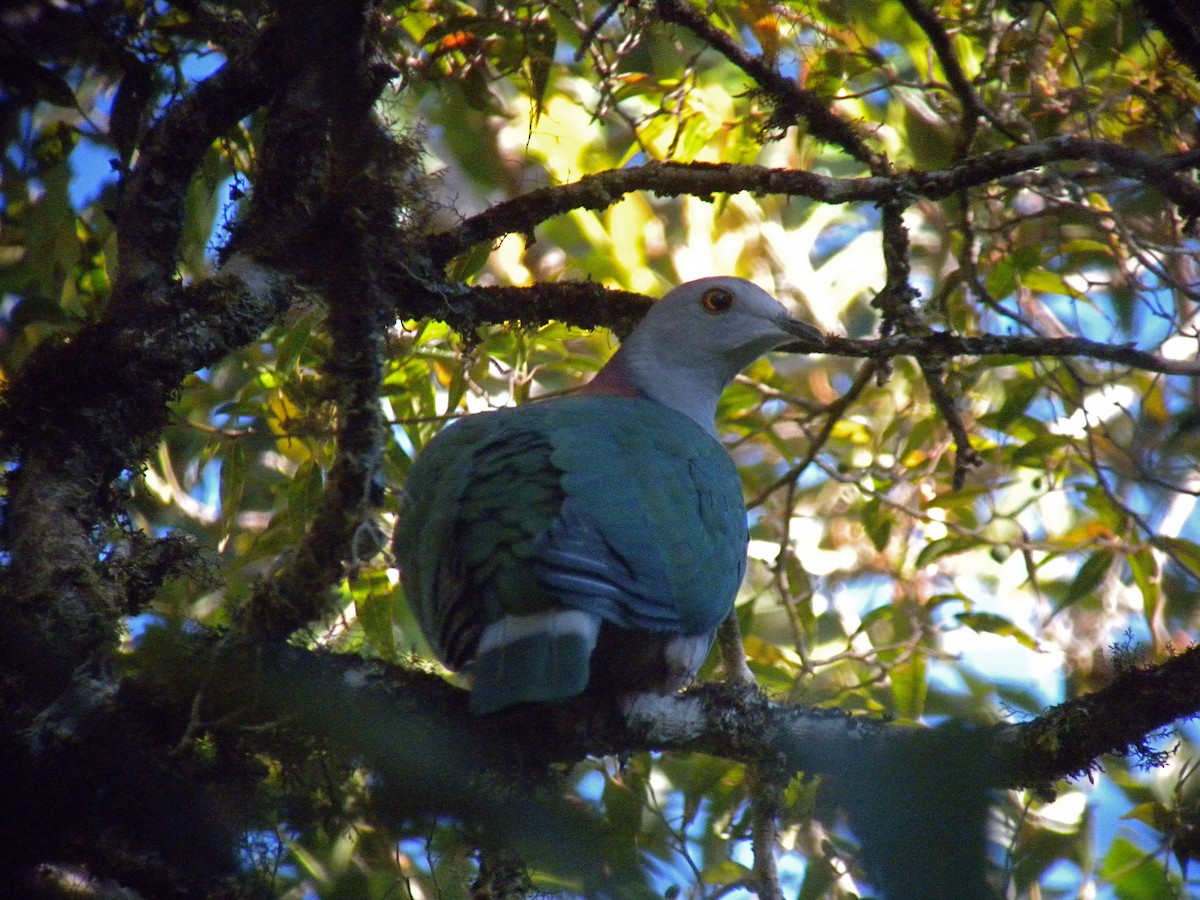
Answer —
973 107
833 414
791 101
994 348
965 456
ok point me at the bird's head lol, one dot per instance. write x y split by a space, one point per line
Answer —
722 318
693 341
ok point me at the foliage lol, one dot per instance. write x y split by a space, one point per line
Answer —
234 309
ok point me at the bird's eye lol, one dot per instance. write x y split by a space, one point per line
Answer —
716 300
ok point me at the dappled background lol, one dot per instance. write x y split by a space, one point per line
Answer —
895 570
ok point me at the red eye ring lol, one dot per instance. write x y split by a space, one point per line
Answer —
716 300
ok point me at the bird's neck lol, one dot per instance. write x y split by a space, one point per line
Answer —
628 375
613 381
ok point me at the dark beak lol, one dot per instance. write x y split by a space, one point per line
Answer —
810 338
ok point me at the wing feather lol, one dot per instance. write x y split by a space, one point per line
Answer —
618 507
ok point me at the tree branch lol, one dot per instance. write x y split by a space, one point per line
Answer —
973 107
899 314
1068 739
150 215
791 102
1176 19
667 179
583 304
80 412
965 456
599 191
832 414
941 343
717 718
355 180
590 305
415 730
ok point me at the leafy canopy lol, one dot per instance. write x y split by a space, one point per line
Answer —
939 531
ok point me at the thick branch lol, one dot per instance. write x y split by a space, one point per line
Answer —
356 181
583 304
733 722
1068 739
151 214
434 756
522 214
1176 19
730 721
81 412
590 305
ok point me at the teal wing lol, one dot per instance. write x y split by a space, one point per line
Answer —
652 532
522 530
475 500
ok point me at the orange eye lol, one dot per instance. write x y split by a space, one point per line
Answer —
716 300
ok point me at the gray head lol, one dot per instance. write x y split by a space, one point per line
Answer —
693 342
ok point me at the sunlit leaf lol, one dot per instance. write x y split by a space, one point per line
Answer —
1153 814
1050 283
1135 873
992 623
727 872
374 600
233 482
910 686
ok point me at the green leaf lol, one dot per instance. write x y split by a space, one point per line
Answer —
1143 565
35 80
910 686
991 623
963 497
878 523
1152 813
539 63
467 265
874 617
727 872
1135 873
920 437
233 482
1047 282
1089 577
819 878
935 550
1185 552
1018 394
374 603
293 342
304 490
1087 245
1002 279
1036 453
